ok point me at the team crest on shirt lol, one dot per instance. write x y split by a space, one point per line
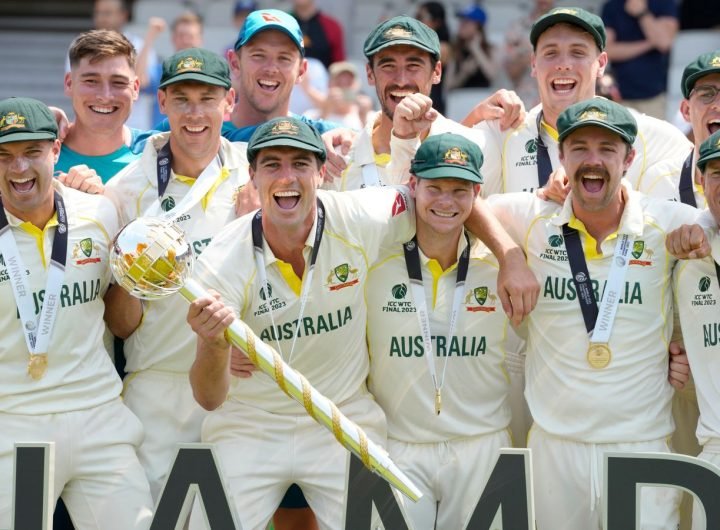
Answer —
86 251
344 275
639 251
531 146
703 296
12 120
480 299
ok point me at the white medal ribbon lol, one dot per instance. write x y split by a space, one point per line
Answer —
37 330
202 185
306 282
370 175
418 293
613 290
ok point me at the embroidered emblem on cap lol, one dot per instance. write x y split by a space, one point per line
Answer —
564 11
189 64
12 120
285 127
398 32
715 61
455 155
593 114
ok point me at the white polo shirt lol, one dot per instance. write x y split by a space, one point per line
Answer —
392 168
656 141
164 341
697 294
476 386
629 400
80 374
331 351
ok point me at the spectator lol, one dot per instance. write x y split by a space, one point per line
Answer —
432 14
518 51
640 34
607 87
240 12
322 35
187 32
344 103
699 14
311 89
114 15
474 64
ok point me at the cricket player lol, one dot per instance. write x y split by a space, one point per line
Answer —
59 384
435 331
403 57
191 175
597 376
568 57
102 86
322 335
697 293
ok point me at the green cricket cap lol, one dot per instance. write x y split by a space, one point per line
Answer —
286 132
448 155
575 16
23 119
402 30
709 150
705 64
598 112
195 64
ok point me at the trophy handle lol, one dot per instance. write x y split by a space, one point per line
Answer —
319 407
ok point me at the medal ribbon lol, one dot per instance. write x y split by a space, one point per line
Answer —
686 186
37 330
257 236
203 184
412 263
544 166
370 175
598 322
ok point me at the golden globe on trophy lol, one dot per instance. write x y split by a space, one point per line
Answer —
150 258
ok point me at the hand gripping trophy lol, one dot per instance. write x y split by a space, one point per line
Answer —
151 259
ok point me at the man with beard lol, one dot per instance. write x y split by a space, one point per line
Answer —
604 244
404 63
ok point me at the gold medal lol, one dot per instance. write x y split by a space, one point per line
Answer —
598 355
37 365
438 401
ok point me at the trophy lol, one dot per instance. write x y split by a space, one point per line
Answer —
150 258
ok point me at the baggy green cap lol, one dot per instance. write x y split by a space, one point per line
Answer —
575 16
705 64
286 132
402 30
709 150
448 155
23 119
598 112
195 64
